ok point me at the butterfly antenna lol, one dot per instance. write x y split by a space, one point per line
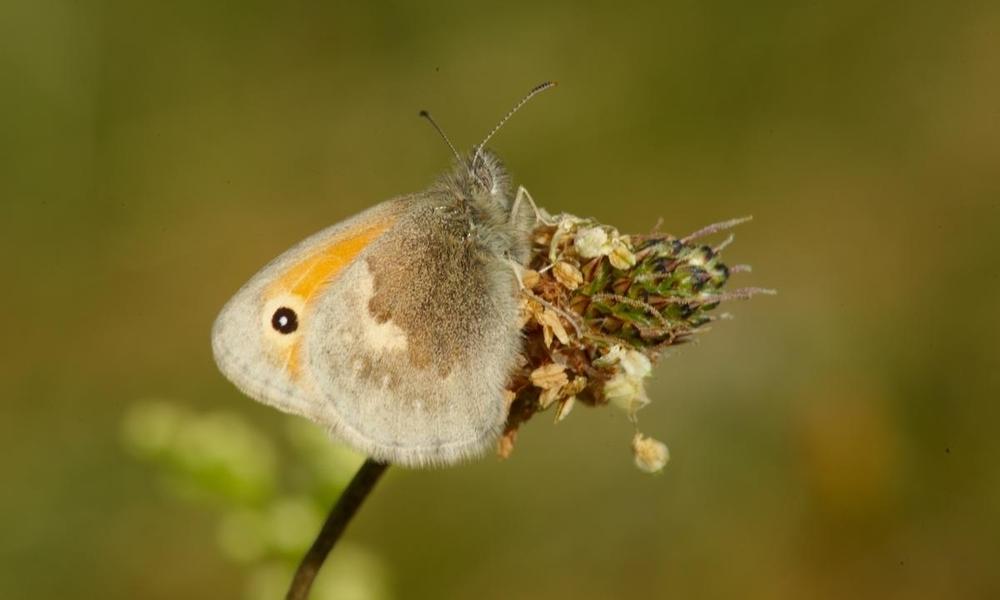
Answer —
437 128
538 89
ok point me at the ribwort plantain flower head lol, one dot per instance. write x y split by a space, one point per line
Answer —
599 308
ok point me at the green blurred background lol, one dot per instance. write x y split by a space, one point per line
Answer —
837 440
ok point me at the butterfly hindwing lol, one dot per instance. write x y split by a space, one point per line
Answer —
420 335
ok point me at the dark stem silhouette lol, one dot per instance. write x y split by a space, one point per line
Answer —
336 522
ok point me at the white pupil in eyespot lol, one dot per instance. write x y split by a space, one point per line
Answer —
284 320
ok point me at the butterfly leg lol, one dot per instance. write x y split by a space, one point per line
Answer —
518 270
521 196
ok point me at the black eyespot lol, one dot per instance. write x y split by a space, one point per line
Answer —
285 320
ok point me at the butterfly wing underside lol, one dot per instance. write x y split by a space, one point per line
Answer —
405 336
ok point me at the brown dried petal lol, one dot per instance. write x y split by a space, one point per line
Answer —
568 275
575 387
543 236
565 408
548 396
549 376
550 320
530 278
621 257
505 446
526 313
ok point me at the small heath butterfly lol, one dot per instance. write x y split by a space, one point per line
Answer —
398 328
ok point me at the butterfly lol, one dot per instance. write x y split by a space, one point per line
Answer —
396 329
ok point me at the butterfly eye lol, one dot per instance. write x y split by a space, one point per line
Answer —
285 320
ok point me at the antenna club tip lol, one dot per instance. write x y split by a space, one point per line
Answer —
423 113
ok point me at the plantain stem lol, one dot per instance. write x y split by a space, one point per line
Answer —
336 522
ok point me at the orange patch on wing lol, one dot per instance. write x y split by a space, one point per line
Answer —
309 276
292 360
